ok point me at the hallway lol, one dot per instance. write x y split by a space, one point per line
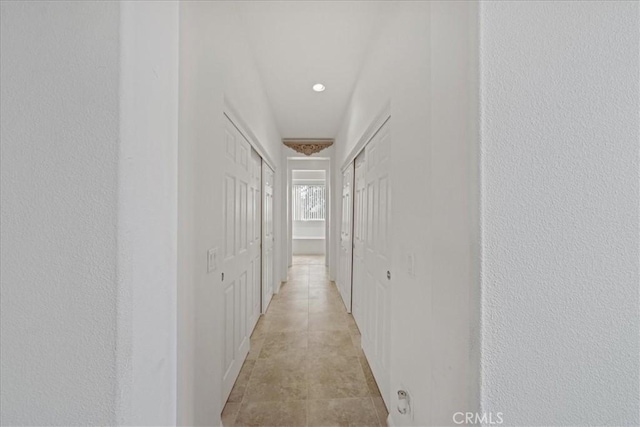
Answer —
306 366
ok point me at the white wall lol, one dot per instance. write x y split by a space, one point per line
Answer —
308 175
59 169
89 174
422 64
147 217
560 137
216 63
309 229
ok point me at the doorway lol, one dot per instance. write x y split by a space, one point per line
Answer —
308 215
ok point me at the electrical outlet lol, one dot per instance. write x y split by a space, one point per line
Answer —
212 260
407 406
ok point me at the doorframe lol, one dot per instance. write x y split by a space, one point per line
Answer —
324 164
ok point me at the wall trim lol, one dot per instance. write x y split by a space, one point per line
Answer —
232 114
374 126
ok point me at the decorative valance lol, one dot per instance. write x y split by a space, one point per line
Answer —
308 146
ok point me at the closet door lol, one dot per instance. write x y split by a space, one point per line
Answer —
346 238
236 263
267 236
377 259
359 226
255 240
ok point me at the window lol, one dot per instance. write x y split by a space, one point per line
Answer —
308 202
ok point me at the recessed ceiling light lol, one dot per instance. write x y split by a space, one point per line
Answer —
319 87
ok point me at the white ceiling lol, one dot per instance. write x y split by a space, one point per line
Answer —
297 44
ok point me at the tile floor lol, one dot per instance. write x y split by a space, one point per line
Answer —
305 367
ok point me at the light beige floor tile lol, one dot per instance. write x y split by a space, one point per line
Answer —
357 340
272 414
342 412
229 414
255 348
292 293
284 306
317 269
278 379
293 285
323 293
285 344
331 343
305 347
381 410
300 275
336 377
289 296
326 306
351 320
368 375
261 328
353 329
328 322
240 386
288 322
316 283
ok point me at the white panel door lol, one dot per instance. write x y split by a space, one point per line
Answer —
255 239
267 236
346 241
236 271
371 257
359 226
377 260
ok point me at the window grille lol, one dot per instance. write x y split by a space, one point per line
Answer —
308 202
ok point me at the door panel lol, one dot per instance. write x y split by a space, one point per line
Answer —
255 239
267 236
359 226
371 257
346 238
236 264
377 261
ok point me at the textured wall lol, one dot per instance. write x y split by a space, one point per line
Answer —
59 108
560 208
